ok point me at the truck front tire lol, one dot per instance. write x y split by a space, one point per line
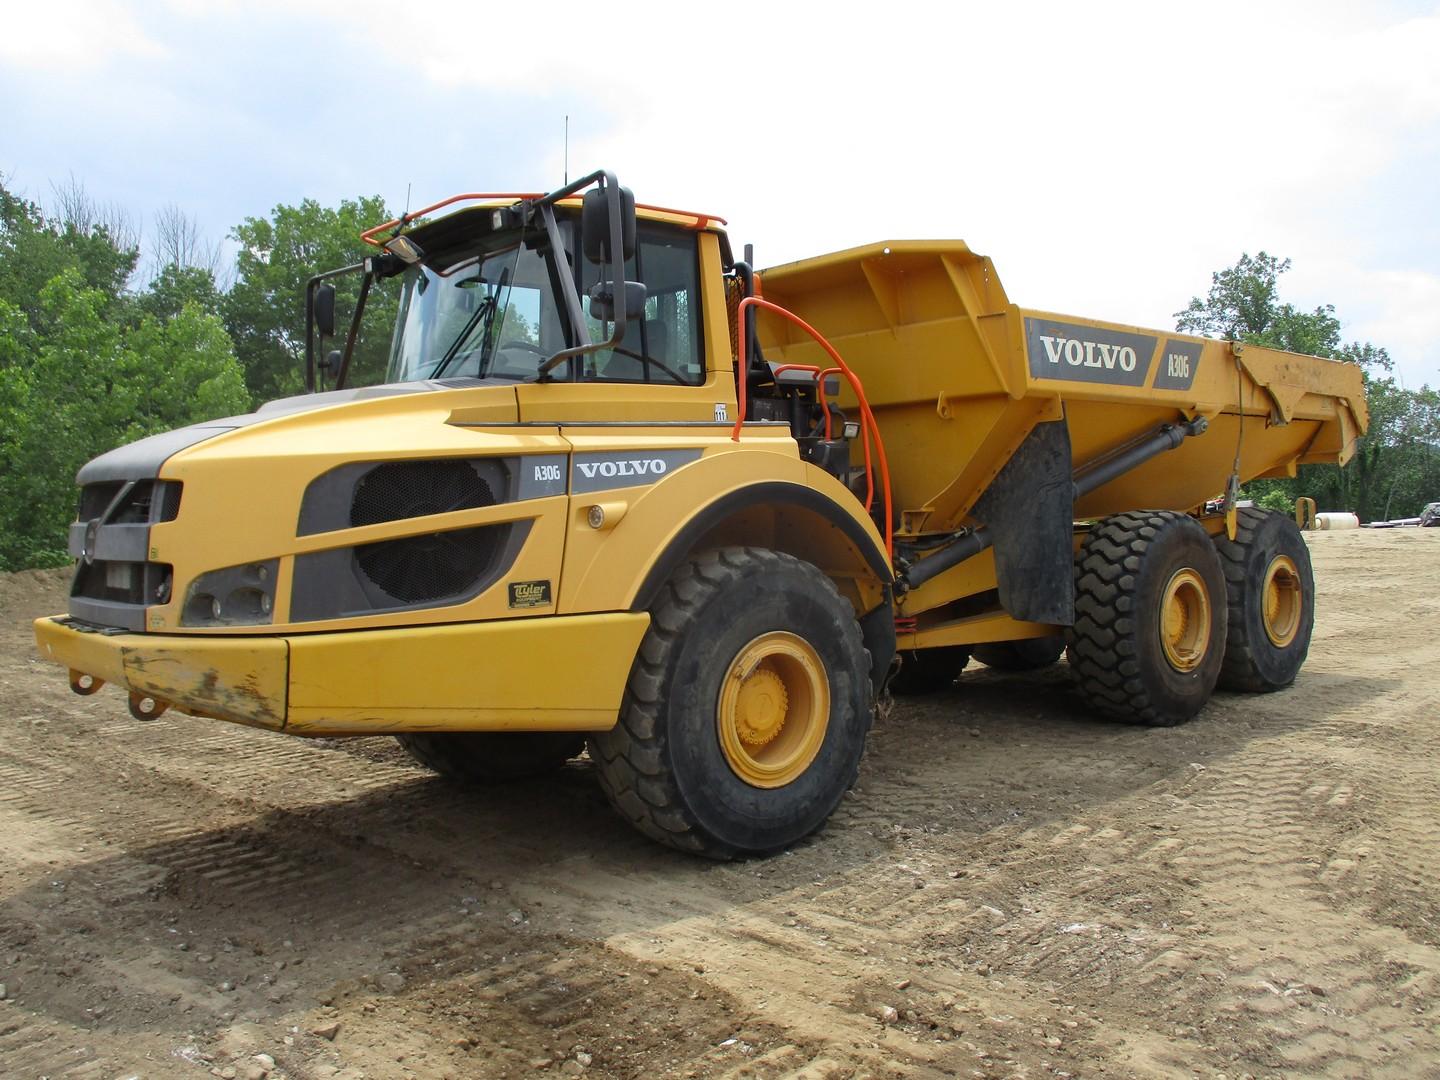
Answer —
492 757
747 709
1149 634
1271 591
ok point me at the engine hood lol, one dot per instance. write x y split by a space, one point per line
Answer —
144 458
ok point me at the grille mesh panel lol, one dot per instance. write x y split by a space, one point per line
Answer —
431 566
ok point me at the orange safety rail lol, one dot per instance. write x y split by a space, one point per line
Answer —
702 221
869 428
369 234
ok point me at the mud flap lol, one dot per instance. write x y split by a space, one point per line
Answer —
1029 510
877 629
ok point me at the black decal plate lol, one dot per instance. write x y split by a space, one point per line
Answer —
1179 361
1061 350
528 594
607 469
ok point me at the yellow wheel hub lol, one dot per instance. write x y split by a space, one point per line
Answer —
1284 603
1185 620
773 710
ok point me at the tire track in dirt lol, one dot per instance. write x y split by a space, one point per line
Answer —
1053 894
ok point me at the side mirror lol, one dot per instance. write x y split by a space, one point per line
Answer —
595 222
602 300
325 310
331 364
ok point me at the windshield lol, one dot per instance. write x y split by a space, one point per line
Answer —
497 314
482 319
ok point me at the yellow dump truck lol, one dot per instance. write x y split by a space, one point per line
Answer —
620 490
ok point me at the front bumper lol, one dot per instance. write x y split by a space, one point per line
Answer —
557 673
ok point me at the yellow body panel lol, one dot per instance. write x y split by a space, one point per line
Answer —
545 674
558 674
237 679
604 567
989 626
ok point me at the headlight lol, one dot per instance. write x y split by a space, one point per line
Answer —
235 596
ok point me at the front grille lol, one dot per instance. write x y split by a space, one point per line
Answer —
409 489
414 569
114 582
123 582
95 499
147 502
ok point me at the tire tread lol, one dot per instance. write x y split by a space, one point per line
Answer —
630 758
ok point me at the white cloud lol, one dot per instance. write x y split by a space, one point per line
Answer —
1108 158
73 36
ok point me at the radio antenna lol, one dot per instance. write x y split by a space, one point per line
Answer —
567 148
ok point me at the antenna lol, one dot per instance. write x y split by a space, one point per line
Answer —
567 148
407 200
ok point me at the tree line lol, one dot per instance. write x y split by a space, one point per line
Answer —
105 338
1396 467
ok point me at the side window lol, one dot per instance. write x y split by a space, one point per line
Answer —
665 346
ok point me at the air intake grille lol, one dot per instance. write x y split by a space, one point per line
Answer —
414 569
406 489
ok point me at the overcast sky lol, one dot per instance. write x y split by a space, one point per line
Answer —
1108 157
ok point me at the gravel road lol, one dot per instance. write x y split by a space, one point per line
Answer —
1014 889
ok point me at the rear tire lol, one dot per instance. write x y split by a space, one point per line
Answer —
1149 634
492 757
1271 591
1025 654
928 671
746 712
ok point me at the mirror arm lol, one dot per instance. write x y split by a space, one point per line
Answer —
576 187
354 333
310 334
310 287
611 188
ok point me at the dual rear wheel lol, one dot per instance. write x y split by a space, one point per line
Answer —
1164 615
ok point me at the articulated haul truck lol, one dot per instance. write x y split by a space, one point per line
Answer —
622 491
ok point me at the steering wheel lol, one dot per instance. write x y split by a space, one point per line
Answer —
520 343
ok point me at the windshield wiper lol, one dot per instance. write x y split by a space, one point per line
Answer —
484 310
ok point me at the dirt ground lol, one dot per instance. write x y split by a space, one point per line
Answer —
1014 889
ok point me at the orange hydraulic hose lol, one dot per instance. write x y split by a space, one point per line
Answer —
869 427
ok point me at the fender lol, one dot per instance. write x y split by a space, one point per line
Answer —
765 493
877 626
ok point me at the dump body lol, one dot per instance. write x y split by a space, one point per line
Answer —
958 377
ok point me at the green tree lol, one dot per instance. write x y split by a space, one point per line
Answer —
176 287
34 249
85 383
265 308
1395 462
